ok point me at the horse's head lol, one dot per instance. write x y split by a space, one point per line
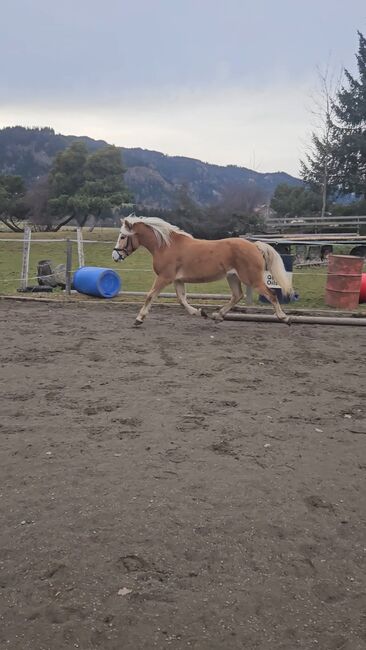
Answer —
127 241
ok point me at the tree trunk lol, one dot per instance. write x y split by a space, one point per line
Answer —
83 221
7 221
55 228
324 191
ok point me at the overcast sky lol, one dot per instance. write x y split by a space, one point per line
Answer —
226 81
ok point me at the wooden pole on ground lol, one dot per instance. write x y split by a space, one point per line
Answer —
310 320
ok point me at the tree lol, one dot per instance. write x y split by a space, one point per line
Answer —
319 169
233 215
36 203
187 214
83 185
12 209
243 199
66 180
350 110
104 185
290 201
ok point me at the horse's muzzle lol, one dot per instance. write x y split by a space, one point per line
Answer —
118 255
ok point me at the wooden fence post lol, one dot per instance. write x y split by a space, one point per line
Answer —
25 260
79 236
68 265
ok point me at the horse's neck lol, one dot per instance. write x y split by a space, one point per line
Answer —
148 239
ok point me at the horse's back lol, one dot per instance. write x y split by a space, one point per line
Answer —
217 255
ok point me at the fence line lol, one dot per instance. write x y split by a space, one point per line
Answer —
27 240
61 239
36 277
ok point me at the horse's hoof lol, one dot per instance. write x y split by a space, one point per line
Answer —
138 322
203 313
217 316
288 321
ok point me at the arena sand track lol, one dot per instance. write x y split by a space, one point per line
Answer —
217 472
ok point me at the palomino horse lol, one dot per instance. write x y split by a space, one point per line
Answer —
179 258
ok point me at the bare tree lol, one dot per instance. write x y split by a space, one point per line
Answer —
318 170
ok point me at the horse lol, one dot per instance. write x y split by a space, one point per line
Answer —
179 258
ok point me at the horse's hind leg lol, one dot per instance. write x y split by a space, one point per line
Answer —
271 295
237 295
181 295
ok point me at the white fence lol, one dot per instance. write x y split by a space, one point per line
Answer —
316 223
72 252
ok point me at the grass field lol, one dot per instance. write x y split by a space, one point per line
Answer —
136 272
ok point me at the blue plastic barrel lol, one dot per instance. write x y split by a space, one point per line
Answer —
94 281
288 264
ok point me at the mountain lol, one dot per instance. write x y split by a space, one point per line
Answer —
153 177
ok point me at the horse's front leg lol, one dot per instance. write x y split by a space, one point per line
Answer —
181 295
159 284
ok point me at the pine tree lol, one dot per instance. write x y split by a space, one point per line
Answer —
83 185
350 111
12 209
295 201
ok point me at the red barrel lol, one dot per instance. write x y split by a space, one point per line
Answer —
363 288
344 281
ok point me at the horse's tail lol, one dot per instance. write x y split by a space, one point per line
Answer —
276 267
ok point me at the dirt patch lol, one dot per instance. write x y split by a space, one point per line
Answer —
185 485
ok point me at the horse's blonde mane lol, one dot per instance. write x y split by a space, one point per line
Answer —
162 229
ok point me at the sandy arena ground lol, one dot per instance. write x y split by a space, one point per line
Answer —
183 485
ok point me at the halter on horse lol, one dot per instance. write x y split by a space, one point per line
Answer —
122 253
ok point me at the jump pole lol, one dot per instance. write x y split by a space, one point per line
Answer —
300 320
199 296
261 318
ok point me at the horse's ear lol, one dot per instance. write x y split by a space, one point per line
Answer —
127 224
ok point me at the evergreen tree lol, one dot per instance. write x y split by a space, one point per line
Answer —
83 185
290 201
350 110
12 209
104 186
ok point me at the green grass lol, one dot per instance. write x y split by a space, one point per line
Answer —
136 272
